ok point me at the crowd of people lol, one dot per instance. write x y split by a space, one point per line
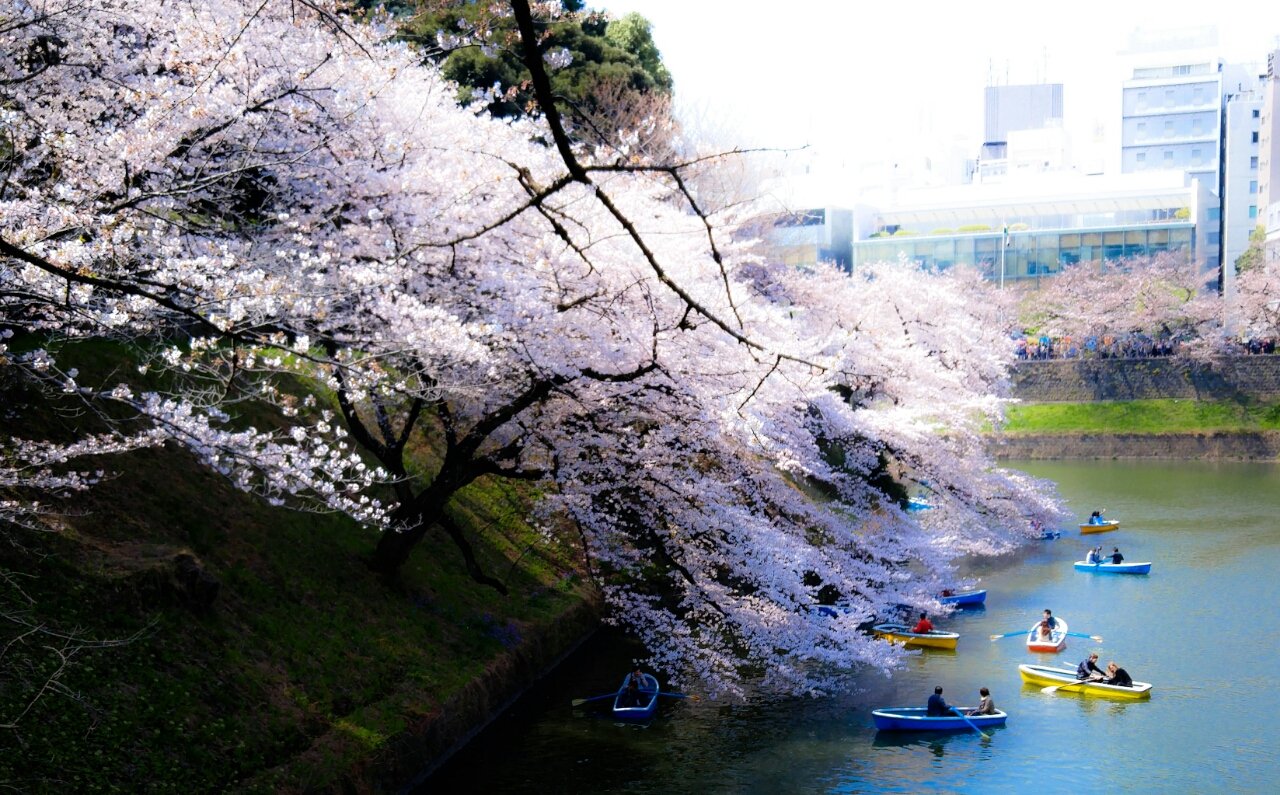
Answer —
1107 346
1256 346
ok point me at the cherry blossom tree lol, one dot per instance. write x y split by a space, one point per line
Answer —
267 192
1159 296
1257 301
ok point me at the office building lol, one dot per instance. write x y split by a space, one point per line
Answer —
1268 165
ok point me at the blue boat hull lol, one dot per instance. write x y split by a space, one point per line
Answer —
648 703
962 599
1114 568
914 719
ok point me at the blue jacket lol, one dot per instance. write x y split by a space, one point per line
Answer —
937 706
1087 668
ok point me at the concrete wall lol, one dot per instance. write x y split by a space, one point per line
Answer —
1078 381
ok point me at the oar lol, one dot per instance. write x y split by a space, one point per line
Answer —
972 725
1098 638
1056 688
577 702
691 697
1009 634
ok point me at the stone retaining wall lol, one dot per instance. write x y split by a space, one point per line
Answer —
1256 446
1078 380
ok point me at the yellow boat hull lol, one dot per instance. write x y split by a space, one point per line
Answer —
1106 527
939 640
1031 676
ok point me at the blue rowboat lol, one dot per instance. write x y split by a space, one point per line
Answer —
915 505
1114 568
643 707
968 598
914 719
1049 535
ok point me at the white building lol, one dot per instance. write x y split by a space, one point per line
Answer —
1268 173
1240 159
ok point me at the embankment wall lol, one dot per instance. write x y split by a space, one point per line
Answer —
1078 381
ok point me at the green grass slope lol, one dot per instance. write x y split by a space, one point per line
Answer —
1142 417
301 673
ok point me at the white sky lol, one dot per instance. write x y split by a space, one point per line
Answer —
873 81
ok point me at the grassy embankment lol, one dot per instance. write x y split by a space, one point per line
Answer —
303 669
1142 417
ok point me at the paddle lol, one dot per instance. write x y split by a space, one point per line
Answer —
972 725
577 702
1056 688
1097 638
691 697
1009 634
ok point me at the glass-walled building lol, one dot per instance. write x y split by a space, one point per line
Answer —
1029 254
1030 230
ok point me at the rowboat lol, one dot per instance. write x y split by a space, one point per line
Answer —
1045 675
1105 527
1049 535
644 707
830 611
969 598
914 719
914 505
901 633
1114 568
1056 641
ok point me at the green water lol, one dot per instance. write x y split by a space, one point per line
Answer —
1190 628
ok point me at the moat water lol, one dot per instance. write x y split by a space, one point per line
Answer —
1200 627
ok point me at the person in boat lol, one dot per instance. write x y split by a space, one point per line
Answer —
1043 632
634 681
937 706
924 626
1049 620
985 705
1092 557
1088 669
1095 517
1116 557
1117 676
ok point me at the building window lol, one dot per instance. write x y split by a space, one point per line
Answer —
1255 136
1253 186
1255 113
1142 157
1196 156
1215 213
1168 129
1168 155
1253 211
1142 99
1142 129
1197 126
1253 162
1168 97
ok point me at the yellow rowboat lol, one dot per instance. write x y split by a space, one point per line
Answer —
901 633
1105 527
1046 675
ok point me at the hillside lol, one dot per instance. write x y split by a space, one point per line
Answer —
261 654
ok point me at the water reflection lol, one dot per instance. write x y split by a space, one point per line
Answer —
936 742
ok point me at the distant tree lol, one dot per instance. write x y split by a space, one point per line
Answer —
1253 255
1158 296
604 71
